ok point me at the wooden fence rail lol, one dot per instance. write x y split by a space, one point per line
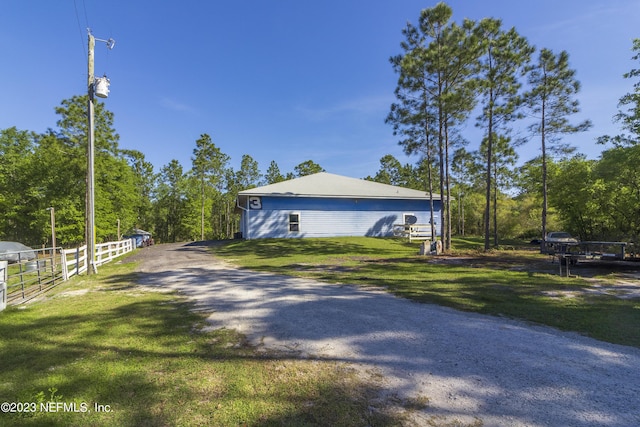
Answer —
413 231
46 268
75 261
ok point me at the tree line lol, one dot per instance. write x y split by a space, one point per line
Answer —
446 72
39 171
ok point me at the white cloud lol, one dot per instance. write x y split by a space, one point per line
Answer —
172 104
364 106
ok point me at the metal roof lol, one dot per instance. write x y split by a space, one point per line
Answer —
328 185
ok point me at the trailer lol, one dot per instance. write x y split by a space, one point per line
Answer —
572 253
597 250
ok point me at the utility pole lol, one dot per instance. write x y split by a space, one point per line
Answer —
91 228
102 91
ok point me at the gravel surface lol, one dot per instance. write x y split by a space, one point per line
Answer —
473 369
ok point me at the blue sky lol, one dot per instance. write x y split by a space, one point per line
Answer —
283 80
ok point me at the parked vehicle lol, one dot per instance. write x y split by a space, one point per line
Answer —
14 252
560 237
138 238
558 242
142 238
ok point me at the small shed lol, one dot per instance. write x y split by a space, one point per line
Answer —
328 205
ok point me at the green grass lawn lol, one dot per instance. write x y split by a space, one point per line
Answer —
517 282
145 359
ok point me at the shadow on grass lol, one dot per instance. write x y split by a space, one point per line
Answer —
141 355
145 357
486 286
518 284
479 357
535 297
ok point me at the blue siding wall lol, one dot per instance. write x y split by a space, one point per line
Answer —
321 217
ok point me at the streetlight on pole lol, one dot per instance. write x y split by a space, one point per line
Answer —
98 87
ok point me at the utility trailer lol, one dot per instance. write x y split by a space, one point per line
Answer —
588 251
596 250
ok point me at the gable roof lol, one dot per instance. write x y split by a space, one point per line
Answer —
325 184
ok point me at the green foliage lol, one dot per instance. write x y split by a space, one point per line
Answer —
473 206
444 69
17 195
434 93
552 101
49 170
209 168
209 163
629 113
171 203
308 167
144 178
248 176
392 172
506 55
574 196
618 173
600 200
273 174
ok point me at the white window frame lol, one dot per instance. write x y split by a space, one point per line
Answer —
290 223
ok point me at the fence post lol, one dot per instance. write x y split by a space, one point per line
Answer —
63 260
53 265
3 284
77 261
38 272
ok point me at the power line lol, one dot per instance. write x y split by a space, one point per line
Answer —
86 19
75 6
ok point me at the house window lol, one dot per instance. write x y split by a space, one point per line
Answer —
294 222
409 219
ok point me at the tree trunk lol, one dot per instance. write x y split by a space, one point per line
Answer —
495 204
544 177
447 246
487 208
202 210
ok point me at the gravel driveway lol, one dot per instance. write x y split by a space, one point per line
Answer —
474 369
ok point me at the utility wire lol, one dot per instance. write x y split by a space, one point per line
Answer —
82 38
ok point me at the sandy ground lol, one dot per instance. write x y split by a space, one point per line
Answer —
471 369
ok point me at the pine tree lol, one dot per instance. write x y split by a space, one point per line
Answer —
506 55
435 93
552 101
209 164
273 174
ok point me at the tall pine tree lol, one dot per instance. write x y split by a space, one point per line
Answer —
552 100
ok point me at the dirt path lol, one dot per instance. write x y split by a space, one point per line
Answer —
471 368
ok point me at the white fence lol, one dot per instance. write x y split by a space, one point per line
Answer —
3 285
75 261
42 269
413 231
